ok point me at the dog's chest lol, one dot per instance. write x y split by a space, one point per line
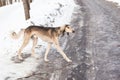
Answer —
46 38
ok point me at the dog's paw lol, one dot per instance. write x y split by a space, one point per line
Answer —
46 60
69 61
20 58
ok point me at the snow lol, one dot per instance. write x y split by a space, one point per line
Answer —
50 8
43 12
115 1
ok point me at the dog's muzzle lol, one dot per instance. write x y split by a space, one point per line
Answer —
67 33
73 31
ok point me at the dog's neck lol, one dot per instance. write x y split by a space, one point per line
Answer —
62 30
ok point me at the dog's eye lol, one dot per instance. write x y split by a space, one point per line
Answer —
68 27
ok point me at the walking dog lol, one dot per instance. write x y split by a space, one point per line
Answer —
47 34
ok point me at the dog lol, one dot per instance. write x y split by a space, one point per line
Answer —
47 34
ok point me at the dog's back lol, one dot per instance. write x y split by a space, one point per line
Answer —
41 30
37 28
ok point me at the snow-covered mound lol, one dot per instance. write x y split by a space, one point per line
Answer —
115 1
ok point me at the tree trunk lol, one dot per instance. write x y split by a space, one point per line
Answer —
0 3
26 8
30 1
7 2
3 2
11 1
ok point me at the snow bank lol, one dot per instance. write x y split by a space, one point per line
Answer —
52 12
115 1
44 12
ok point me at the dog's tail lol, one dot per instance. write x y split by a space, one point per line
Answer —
14 35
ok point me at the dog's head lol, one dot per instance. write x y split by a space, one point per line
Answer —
68 29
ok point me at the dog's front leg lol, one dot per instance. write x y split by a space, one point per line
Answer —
35 39
62 53
56 41
46 53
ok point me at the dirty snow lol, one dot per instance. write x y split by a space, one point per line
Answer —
44 12
115 1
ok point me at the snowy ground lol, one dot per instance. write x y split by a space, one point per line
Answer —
115 1
44 12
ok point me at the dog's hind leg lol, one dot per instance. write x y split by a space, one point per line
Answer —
25 42
62 53
35 40
46 53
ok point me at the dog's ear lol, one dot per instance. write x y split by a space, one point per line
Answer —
66 25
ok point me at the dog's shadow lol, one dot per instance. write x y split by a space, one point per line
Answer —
16 60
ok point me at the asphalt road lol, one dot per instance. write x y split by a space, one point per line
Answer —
94 48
